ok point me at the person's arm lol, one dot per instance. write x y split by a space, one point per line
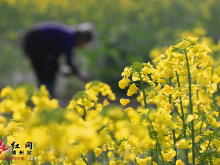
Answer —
83 75
69 62
68 45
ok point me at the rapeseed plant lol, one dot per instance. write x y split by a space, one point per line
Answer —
182 126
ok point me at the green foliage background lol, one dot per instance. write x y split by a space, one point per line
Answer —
128 30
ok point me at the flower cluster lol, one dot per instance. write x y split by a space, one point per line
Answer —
182 86
177 122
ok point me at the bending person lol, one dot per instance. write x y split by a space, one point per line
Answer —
46 41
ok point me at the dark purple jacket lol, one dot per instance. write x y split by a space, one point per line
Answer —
59 39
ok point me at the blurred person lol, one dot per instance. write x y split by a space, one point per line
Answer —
44 42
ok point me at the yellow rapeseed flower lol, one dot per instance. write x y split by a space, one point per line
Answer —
115 113
167 90
141 161
182 144
44 90
212 88
158 87
161 81
168 107
208 132
124 101
168 73
3 119
127 72
3 131
146 71
53 104
19 95
183 45
156 76
104 147
135 76
105 102
11 127
122 133
5 91
216 161
189 118
205 48
192 40
110 154
180 57
215 142
170 154
179 162
97 151
112 162
132 90
123 83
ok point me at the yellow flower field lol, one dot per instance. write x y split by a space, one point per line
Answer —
181 128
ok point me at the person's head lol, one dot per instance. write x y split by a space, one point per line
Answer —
86 34
83 37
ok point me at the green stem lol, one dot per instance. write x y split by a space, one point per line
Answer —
84 159
176 110
200 130
93 156
197 94
156 153
142 86
145 105
174 138
208 143
210 160
191 109
84 115
161 155
213 96
106 156
183 119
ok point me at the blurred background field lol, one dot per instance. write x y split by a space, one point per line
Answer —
128 31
